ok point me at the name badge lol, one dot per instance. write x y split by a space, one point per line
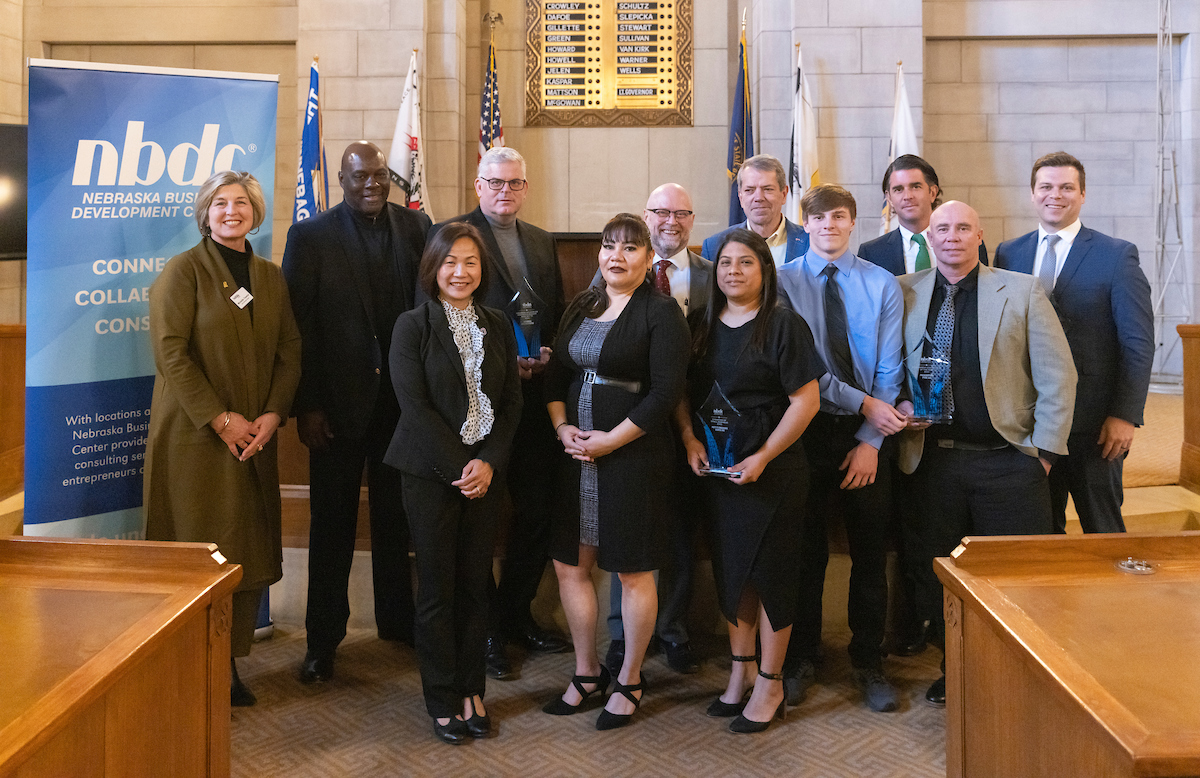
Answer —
241 298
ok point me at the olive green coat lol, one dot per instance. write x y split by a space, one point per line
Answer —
209 358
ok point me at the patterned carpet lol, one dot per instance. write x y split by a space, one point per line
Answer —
371 721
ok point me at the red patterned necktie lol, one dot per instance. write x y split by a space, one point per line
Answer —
661 282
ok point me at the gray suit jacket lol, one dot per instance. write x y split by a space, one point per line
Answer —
698 284
1025 362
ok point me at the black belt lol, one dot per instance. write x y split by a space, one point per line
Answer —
591 377
963 445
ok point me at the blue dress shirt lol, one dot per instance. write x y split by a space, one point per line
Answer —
875 320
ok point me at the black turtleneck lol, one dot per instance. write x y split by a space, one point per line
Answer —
238 263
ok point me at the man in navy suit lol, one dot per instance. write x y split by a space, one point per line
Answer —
762 190
911 187
1103 301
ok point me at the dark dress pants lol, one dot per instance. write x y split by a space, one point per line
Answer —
335 477
960 493
1093 482
453 538
867 513
531 478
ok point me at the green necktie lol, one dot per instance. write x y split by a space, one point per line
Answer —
922 252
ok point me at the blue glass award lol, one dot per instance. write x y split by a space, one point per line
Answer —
525 310
718 419
930 387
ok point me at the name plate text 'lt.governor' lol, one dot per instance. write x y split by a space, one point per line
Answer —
608 63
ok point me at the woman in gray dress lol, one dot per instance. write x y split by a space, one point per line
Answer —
615 377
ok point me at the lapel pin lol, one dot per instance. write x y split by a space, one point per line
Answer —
225 284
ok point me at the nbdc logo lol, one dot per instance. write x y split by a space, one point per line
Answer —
124 171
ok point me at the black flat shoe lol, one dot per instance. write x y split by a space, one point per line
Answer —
239 695
478 726
719 709
744 726
453 731
560 707
317 667
610 720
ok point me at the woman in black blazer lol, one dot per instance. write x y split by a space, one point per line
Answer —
454 368
616 373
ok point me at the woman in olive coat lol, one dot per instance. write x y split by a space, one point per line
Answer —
227 361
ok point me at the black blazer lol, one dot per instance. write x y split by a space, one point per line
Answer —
887 251
341 360
431 385
541 260
1103 301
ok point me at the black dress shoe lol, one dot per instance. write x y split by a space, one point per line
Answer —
495 659
680 657
453 732
915 644
239 695
317 667
936 696
540 641
479 725
615 657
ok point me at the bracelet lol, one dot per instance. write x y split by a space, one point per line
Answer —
560 424
226 424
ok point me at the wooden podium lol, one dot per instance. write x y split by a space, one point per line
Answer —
1060 664
114 658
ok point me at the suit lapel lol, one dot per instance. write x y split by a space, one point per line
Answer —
698 283
914 325
896 247
1025 254
1079 249
795 236
441 329
355 269
480 221
991 299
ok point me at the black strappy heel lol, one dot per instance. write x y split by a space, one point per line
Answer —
719 709
560 707
609 720
742 725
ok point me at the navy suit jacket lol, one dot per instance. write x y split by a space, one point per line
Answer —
1103 301
797 242
887 251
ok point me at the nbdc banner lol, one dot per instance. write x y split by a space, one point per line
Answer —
116 157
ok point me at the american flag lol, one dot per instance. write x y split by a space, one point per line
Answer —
491 132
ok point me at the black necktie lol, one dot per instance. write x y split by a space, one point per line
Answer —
943 340
837 335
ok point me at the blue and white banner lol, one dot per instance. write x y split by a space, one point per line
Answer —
312 178
116 156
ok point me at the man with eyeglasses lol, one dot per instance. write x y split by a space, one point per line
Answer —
518 250
762 191
678 272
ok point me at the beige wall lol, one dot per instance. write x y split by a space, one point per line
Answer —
12 109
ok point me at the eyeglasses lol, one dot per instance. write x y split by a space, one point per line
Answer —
664 214
516 184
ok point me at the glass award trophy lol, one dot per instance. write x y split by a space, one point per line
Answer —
718 419
525 310
929 386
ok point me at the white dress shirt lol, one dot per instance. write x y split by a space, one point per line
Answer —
680 276
911 248
1067 235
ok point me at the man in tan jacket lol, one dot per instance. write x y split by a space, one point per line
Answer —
987 345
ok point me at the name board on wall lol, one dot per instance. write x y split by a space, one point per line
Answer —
608 63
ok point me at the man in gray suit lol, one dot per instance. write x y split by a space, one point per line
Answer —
683 275
994 340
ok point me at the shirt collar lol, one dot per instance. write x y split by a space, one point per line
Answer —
907 234
680 260
778 237
1067 233
966 284
816 264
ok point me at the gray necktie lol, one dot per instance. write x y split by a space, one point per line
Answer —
943 338
1049 263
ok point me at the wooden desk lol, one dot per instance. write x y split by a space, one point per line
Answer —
115 658
1059 664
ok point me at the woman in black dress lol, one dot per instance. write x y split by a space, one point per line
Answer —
613 382
762 357
454 369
